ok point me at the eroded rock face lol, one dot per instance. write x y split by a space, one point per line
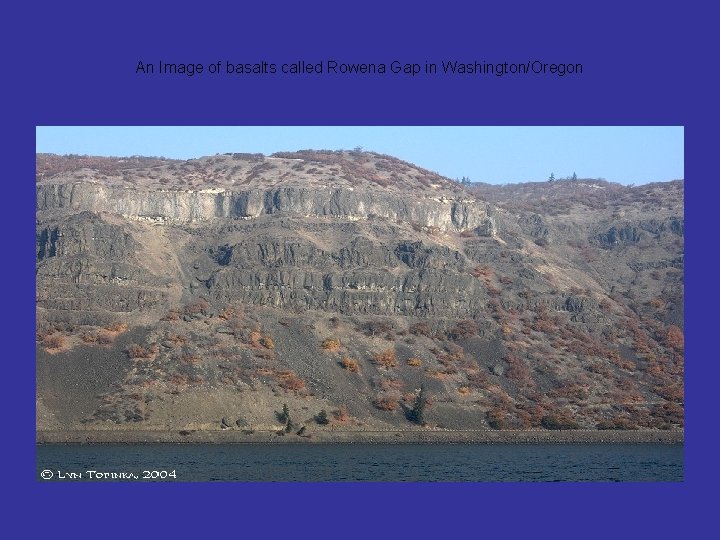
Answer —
94 232
188 206
626 234
231 273
88 264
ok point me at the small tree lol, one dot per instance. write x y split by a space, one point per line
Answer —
552 177
322 418
284 417
574 176
417 413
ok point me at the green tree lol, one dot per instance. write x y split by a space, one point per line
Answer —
322 418
574 176
552 177
284 417
417 413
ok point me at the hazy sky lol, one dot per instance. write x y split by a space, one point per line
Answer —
485 154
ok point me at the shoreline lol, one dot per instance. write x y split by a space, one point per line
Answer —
361 437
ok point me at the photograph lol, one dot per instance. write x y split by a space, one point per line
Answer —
359 303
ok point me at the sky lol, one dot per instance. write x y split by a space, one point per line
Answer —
494 154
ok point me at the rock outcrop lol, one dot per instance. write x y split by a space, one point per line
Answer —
345 281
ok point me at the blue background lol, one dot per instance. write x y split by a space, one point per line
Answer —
644 64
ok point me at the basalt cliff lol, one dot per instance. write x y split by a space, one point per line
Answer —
361 292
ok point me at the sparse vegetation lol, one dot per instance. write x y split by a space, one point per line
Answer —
386 403
350 364
284 418
331 345
375 328
197 308
116 327
463 330
548 305
105 338
421 329
136 351
417 413
674 338
54 342
497 418
341 414
289 380
559 421
386 359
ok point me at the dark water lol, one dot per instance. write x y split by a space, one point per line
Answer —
366 462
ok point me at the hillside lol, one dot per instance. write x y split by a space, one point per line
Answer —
205 294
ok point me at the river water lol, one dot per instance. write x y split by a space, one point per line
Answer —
361 462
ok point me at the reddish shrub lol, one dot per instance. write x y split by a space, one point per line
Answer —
463 329
476 379
189 358
386 359
350 364
138 351
331 345
196 308
421 329
254 338
482 271
674 338
54 342
373 328
290 381
671 392
172 315
518 371
227 313
176 339
104 338
497 418
559 421
341 414
116 327
385 403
